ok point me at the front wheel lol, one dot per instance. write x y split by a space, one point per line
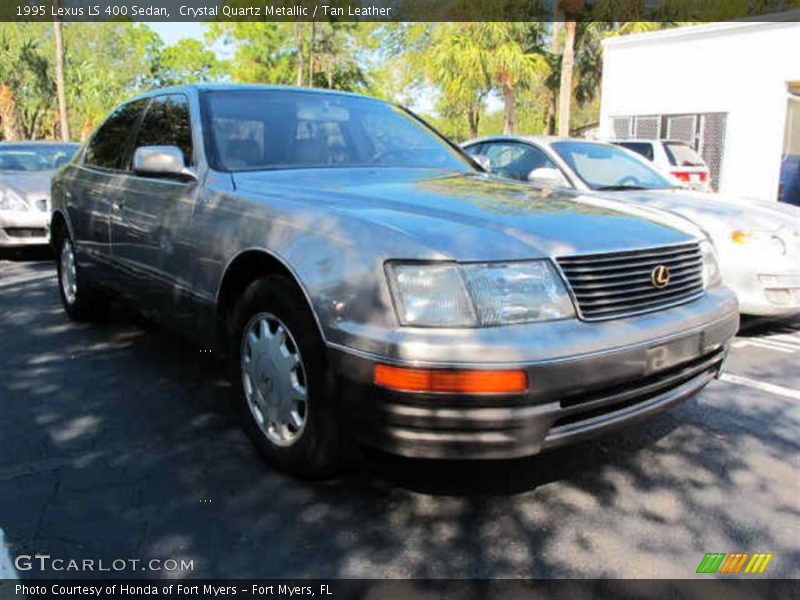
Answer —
81 303
279 372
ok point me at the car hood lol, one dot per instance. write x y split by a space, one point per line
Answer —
718 212
472 216
33 185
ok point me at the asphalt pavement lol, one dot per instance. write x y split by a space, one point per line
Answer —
119 441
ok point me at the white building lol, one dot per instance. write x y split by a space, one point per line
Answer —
732 90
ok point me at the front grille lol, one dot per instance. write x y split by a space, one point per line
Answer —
25 232
610 286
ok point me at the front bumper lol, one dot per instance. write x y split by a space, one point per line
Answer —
28 228
569 398
767 291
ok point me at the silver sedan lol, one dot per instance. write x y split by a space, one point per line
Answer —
25 172
365 280
758 243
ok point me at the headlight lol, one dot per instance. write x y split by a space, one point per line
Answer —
481 294
763 239
11 201
711 273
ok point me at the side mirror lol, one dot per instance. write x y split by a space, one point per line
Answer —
483 161
161 161
547 176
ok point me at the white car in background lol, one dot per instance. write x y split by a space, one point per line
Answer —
758 243
674 157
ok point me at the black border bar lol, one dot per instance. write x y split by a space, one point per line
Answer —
399 10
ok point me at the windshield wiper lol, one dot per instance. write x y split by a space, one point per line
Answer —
616 188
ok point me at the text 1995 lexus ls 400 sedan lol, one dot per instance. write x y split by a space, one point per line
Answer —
365 279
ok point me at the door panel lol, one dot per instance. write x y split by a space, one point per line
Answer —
94 186
151 222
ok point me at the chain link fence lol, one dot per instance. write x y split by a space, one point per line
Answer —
704 132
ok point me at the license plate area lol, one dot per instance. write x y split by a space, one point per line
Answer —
670 354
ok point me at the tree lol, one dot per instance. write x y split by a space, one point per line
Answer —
465 61
276 53
460 76
298 33
26 87
187 61
571 10
105 64
63 120
508 63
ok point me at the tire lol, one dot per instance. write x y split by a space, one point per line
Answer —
279 372
81 302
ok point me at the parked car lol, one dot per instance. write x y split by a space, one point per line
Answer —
365 279
674 157
789 186
758 243
25 172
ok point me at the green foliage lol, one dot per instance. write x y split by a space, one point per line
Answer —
105 64
461 68
268 53
26 85
188 61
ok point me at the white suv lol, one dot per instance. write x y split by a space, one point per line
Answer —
674 157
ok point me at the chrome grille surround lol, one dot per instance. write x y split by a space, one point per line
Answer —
616 285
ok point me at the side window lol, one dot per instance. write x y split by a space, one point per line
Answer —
474 150
516 161
642 148
167 123
108 146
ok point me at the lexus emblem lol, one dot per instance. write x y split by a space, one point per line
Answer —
659 276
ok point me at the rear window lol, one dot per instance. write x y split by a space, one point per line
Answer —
642 148
35 157
681 155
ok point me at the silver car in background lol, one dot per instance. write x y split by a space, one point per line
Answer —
758 243
26 169
365 279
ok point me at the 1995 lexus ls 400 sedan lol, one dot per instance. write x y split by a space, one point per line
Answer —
366 280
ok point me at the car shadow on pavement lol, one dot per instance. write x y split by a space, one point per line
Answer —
119 440
761 326
36 253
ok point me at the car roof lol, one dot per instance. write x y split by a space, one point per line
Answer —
536 139
221 87
639 141
35 143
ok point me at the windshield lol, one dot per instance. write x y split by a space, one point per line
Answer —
606 167
280 129
35 158
681 155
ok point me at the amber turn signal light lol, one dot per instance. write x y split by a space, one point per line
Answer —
451 381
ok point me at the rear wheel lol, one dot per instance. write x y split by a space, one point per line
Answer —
279 372
81 302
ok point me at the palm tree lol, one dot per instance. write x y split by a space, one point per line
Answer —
508 63
467 60
456 65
